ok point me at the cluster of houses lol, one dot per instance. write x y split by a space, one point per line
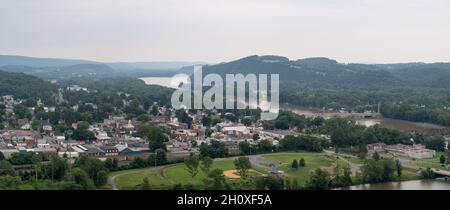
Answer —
417 151
114 136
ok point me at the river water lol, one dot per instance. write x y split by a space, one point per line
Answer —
170 82
436 184
313 112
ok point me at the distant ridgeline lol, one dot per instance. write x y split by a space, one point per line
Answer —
310 72
26 87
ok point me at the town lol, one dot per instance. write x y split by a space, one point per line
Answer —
139 133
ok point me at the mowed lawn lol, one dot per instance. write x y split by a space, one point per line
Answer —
430 162
179 174
312 160
130 180
167 176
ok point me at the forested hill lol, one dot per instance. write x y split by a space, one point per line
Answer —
311 72
25 86
322 72
434 75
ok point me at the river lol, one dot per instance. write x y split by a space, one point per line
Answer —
436 184
313 112
359 118
164 81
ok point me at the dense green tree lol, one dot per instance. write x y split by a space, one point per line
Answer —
93 167
192 162
215 180
21 111
9 182
112 164
101 178
159 157
144 118
139 162
6 168
25 158
342 177
319 180
268 183
56 168
216 149
302 163
247 121
81 178
378 171
243 165
294 164
435 142
156 137
245 147
206 164
265 146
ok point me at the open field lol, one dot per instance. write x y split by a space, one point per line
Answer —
431 162
163 177
313 160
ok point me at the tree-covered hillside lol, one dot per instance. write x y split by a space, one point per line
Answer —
25 86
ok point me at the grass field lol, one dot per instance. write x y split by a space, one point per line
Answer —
431 162
164 177
312 160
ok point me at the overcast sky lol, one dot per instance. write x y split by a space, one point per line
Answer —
369 31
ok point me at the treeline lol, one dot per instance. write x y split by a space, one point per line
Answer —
417 113
55 173
25 86
344 133
413 104
114 90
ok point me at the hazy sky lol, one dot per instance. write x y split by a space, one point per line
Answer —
370 31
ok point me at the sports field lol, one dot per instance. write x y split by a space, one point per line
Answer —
166 176
313 160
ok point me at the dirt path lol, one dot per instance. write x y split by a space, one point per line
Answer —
354 168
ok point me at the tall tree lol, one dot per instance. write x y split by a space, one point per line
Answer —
294 164
243 165
206 164
302 163
319 180
192 162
